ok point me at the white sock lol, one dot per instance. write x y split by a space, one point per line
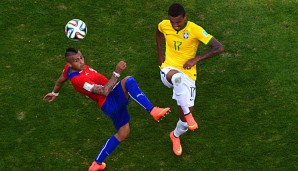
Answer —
180 129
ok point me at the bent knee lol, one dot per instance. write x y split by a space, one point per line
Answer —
177 79
123 133
122 136
127 77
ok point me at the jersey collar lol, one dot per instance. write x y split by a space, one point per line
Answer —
71 75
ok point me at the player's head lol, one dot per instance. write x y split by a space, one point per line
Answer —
176 10
177 16
74 59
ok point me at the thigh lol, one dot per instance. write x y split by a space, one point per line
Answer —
121 118
191 90
115 102
166 75
189 87
115 107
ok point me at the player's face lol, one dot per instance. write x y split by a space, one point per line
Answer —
77 62
178 22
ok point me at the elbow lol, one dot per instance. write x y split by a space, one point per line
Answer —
221 49
218 50
105 91
100 90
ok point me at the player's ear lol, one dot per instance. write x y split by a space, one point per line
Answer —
80 53
69 64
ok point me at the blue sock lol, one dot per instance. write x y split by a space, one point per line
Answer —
107 149
136 93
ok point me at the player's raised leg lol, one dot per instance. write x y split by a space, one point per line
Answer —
181 97
133 90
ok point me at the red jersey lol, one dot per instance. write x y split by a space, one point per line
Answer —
84 80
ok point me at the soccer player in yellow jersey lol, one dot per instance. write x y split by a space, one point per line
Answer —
178 65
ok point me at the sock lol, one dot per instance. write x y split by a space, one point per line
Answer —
136 93
107 149
181 128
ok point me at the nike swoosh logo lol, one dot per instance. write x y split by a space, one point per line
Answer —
191 126
161 112
169 34
180 150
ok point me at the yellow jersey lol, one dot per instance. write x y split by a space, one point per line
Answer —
182 45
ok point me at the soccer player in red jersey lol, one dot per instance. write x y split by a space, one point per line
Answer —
110 94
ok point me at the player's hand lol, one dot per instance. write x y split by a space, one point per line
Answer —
49 97
120 67
190 63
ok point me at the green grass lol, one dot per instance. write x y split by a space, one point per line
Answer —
246 101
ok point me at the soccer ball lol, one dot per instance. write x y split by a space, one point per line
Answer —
76 29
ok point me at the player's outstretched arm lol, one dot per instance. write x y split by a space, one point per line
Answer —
52 95
105 90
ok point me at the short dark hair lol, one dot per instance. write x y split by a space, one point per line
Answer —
176 10
70 52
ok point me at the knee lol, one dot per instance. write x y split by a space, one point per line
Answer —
124 81
127 77
124 136
129 81
123 133
177 79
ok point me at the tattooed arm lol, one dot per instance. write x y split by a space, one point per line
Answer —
105 90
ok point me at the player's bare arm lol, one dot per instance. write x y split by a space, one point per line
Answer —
105 90
58 85
215 48
159 42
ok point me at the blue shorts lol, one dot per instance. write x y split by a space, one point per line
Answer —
115 107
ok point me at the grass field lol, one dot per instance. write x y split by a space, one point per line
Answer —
246 102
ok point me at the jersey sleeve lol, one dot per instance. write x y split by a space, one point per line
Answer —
160 26
202 35
64 72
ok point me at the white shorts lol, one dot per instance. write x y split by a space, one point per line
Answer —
188 83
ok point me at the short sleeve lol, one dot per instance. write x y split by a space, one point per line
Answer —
160 26
64 72
202 35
